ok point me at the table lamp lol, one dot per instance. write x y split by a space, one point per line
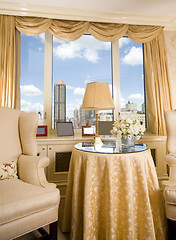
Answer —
97 97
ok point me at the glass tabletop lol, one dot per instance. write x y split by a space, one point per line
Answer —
110 147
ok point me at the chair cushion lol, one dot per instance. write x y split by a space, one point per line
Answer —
19 199
170 195
8 170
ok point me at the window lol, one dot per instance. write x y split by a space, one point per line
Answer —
32 74
74 65
56 91
132 97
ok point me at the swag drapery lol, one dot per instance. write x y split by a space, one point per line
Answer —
158 95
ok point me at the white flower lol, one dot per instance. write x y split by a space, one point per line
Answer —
128 127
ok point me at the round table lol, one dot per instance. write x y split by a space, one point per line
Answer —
113 194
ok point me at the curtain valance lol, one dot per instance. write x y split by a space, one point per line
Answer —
143 34
71 30
32 25
68 30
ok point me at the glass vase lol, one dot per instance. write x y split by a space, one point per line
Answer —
128 141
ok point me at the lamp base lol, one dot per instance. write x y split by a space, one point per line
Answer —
98 141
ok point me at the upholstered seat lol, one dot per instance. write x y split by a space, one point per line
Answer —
27 201
169 187
170 199
24 199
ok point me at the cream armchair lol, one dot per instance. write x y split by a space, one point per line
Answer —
170 185
28 202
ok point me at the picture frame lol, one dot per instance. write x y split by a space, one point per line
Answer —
105 127
41 131
64 129
88 131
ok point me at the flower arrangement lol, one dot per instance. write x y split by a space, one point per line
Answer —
128 127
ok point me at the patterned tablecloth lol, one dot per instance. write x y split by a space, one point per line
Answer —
113 196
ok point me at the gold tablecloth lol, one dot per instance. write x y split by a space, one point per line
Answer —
113 196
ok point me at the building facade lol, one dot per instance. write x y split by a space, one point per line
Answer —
59 102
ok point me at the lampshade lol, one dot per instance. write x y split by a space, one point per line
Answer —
97 97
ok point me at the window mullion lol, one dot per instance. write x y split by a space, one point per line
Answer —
48 79
116 77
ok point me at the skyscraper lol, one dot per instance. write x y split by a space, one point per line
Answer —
59 102
131 107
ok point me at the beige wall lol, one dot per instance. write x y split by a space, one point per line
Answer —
170 37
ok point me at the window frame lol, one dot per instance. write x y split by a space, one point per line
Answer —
48 65
48 81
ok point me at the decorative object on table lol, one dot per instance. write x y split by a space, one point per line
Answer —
118 145
87 144
129 129
88 131
105 127
97 97
41 131
64 129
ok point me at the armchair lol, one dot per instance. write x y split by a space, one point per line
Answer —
27 201
169 187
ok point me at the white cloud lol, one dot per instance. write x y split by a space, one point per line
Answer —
92 43
123 41
136 96
79 91
68 50
30 107
69 87
85 47
134 56
91 55
30 90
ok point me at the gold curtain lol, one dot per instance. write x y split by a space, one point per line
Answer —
32 25
158 96
8 68
62 29
18 69
108 32
68 30
143 34
71 30
157 84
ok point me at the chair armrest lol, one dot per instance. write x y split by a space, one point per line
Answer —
31 170
171 161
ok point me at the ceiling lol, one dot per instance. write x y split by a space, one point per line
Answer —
153 12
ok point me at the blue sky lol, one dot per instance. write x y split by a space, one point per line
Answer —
78 63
